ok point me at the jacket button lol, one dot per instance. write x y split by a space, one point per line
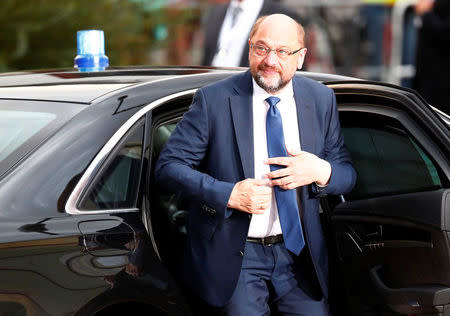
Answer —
241 253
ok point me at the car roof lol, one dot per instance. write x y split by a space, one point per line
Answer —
69 85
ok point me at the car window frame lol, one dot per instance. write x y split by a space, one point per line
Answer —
411 127
140 124
158 120
90 174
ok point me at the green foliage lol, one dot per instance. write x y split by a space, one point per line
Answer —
42 33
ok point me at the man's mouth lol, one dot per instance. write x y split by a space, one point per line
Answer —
269 71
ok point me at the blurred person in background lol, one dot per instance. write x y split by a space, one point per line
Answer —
433 53
227 27
375 15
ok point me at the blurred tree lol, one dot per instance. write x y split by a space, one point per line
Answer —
42 33
182 33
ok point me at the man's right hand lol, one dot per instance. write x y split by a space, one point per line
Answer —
251 196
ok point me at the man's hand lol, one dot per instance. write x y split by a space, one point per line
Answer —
302 168
251 196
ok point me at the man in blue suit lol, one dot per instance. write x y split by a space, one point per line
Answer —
253 154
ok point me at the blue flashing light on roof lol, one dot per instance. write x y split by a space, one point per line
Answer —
91 51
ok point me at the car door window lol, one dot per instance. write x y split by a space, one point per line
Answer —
117 185
161 135
387 159
172 204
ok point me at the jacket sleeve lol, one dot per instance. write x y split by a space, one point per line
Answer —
176 168
343 176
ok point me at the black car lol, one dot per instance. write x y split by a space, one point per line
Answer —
84 230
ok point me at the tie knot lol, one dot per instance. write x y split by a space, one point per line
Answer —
272 101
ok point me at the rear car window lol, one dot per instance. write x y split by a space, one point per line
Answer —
25 124
16 127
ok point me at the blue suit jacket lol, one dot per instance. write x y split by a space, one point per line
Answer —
212 148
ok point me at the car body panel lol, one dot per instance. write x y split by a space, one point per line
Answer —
61 93
58 258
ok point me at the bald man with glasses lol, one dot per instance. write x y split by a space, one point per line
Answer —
253 155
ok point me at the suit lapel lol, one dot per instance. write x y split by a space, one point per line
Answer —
242 113
306 111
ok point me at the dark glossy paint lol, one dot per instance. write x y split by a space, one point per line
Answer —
54 263
75 145
74 266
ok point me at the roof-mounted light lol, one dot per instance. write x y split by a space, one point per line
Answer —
91 51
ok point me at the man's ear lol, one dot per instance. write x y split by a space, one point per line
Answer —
301 57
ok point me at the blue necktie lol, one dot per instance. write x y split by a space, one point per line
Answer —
286 199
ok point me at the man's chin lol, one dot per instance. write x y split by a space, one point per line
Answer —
270 84
269 76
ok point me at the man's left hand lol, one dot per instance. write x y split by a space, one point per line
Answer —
301 168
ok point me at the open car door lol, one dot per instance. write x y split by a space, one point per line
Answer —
391 233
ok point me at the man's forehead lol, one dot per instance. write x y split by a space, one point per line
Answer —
273 32
275 39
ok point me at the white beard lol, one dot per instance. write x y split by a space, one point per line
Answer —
270 85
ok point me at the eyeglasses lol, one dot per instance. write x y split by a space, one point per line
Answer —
263 51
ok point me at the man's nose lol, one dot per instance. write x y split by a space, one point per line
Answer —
271 58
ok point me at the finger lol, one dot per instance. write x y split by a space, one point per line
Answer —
264 200
282 161
256 211
292 151
295 183
261 182
289 186
282 181
262 206
278 173
264 190
260 193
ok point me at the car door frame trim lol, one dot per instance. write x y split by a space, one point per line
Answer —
101 157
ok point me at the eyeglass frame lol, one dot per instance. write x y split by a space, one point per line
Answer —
268 50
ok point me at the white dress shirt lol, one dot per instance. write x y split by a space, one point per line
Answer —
233 38
268 223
